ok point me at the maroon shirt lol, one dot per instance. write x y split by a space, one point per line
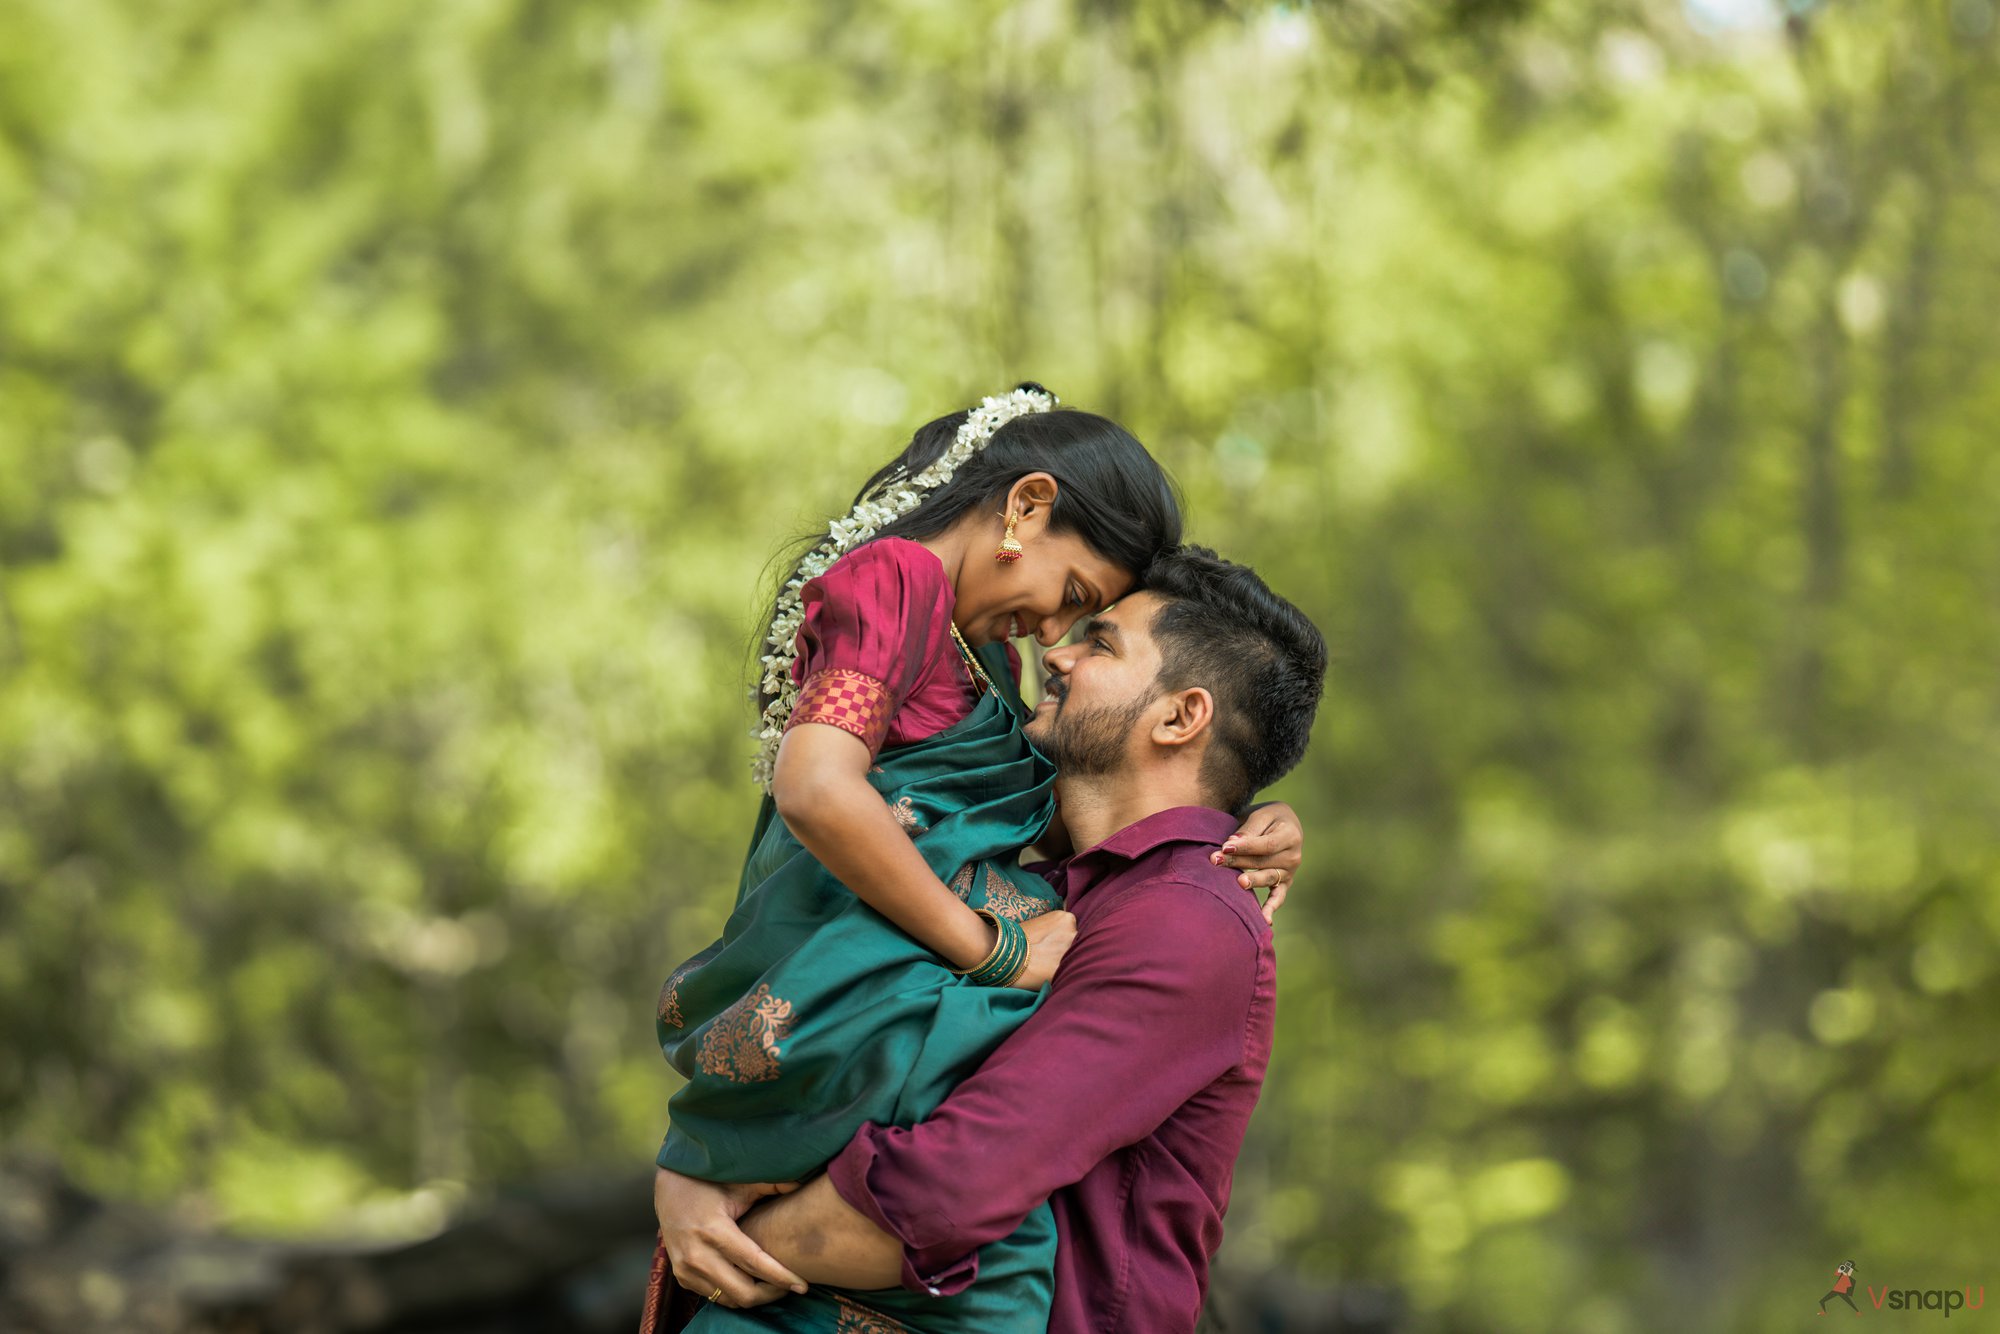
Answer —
1124 1097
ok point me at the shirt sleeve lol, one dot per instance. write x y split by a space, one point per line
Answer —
1147 1008
873 623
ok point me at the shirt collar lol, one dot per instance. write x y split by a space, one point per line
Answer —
1176 824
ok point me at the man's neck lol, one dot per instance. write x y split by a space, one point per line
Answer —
1095 808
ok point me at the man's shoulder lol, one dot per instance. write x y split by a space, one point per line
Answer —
1180 880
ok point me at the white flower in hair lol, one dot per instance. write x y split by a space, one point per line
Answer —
888 502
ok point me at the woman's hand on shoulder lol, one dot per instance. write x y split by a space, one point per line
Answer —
1049 938
1266 849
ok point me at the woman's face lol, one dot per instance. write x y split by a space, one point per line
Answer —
1057 579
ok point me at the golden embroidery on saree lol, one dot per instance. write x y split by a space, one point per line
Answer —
858 1319
1003 900
742 1045
961 884
906 816
670 995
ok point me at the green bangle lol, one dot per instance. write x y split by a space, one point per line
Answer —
1013 955
1008 957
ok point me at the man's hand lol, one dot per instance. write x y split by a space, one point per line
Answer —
827 1239
708 1250
1266 849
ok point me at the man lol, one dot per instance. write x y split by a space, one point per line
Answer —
1124 1098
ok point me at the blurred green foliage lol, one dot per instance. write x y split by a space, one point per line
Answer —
399 404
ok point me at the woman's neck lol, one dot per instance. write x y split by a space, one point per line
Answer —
949 547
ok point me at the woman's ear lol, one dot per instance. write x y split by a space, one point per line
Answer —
1032 498
1191 712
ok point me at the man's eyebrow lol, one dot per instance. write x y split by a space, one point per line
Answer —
1099 625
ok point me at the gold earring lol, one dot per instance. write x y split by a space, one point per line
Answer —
1010 545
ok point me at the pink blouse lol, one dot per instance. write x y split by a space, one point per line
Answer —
876 657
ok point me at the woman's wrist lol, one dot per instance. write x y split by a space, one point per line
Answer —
1008 959
975 944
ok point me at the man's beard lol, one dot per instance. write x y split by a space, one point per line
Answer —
1084 743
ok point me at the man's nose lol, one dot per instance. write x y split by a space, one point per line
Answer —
1059 659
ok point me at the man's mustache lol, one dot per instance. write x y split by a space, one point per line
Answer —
1053 687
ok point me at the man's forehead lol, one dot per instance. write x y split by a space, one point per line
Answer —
1130 615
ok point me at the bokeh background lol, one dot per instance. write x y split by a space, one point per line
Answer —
400 404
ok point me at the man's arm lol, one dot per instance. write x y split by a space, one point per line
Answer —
828 1240
1150 1006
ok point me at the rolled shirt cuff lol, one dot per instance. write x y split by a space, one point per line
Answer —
936 1270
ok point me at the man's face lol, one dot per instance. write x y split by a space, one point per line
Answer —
1100 690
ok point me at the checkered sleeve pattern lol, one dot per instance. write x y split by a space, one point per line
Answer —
852 701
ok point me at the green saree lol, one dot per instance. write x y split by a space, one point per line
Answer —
813 1013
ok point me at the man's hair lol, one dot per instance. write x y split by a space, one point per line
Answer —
1222 628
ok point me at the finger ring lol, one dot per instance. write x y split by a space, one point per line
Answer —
717 1294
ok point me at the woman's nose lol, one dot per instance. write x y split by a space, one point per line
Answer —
1054 628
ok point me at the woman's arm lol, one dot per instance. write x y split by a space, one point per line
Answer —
823 795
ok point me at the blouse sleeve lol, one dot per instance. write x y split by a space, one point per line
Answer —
872 624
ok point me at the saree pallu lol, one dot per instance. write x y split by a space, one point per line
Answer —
814 1013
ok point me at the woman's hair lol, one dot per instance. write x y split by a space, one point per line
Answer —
1110 491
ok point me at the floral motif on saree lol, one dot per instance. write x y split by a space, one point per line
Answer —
961 884
858 1319
852 701
670 994
1003 900
906 816
742 1045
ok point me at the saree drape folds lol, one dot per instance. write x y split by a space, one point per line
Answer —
814 1014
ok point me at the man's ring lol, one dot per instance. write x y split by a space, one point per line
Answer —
717 1294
